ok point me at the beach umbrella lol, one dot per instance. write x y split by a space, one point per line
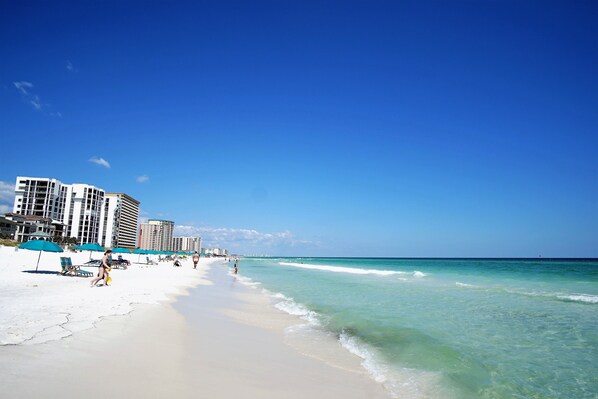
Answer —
140 252
92 246
41 246
39 234
121 250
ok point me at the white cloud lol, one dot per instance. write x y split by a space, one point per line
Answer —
100 161
71 67
7 196
22 87
239 239
142 179
32 99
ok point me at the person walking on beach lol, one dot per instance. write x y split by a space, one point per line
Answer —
104 269
195 259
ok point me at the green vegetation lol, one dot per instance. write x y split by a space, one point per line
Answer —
8 242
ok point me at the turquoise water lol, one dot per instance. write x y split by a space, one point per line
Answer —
450 328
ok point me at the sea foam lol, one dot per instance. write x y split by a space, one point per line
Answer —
399 382
291 307
351 270
579 298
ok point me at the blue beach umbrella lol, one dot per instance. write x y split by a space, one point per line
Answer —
40 245
92 246
140 252
119 250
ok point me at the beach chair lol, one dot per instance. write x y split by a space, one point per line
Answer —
68 269
150 262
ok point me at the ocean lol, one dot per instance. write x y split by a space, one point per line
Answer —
447 328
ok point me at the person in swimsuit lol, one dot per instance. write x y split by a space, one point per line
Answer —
104 269
195 259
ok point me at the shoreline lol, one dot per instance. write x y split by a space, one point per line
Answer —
200 339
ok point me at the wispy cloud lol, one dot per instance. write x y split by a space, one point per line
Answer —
71 67
241 239
7 196
142 179
24 88
31 98
100 161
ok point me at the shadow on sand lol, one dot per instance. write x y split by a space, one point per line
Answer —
40 272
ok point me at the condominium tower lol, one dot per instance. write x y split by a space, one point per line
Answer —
156 235
186 244
78 210
120 214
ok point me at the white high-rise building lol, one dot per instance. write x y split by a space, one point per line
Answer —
156 235
40 197
186 244
82 215
119 215
81 211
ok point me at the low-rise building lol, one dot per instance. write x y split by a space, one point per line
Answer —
21 227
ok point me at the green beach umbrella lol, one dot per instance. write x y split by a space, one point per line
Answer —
140 252
119 250
39 234
92 246
41 246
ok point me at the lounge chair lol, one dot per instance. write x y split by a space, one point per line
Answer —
118 264
150 262
68 269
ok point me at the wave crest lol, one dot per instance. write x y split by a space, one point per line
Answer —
350 270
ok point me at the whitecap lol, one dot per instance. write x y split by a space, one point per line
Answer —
339 269
584 298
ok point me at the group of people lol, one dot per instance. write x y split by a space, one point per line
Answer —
236 265
105 268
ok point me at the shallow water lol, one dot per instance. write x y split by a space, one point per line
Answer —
434 328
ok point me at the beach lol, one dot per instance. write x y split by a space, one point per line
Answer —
157 331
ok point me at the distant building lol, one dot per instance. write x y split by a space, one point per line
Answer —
21 227
119 215
81 211
186 244
214 251
156 235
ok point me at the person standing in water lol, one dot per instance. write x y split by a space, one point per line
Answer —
236 265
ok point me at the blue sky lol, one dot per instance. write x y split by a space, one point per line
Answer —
464 128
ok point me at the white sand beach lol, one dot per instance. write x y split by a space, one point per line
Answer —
156 332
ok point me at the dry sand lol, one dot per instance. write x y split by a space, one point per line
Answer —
220 341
